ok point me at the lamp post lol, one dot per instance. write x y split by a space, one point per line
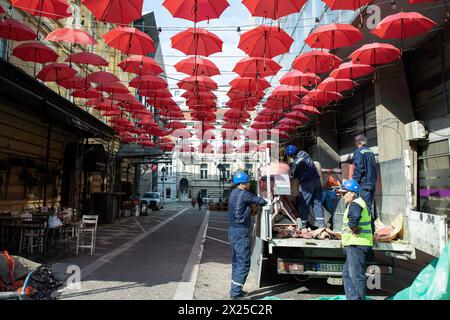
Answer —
163 171
221 169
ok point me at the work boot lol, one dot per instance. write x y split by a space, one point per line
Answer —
241 296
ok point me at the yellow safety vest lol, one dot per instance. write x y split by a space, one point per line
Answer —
365 236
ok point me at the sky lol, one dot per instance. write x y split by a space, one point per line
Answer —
235 15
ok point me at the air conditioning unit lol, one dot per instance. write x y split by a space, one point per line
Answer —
416 131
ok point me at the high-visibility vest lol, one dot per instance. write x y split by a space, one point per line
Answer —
365 236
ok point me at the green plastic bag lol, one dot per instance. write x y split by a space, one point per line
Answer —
432 283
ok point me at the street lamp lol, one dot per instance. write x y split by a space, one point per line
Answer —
221 169
163 171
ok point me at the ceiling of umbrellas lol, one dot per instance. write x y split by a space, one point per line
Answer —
318 77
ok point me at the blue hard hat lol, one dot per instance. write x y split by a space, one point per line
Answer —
351 185
240 177
290 150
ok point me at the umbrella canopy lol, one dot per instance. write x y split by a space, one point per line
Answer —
89 93
262 125
333 36
297 115
204 95
12 29
247 147
115 11
403 25
249 84
350 70
200 83
197 66
305 109
286 90
129 40
102 77
290 122
113 87
265 41
159 93
148 82
267 145
196 10
317 62
175 125
187 149
346 4
56 72
324 96
35 52
256 67
298 78
226 148
76 82
197 41
273 9
71 35
53 9
376 53
138 64
87 58
2 11
232 126
337 85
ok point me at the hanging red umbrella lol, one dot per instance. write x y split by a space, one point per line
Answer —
273 9
297 115
102 77
287 91
89 93
403 25
35 52
140 65
346 4
206 147
160 93
376 53
115 11
71 35
111 113
196 10
203 95
290 122
249 84
226 148
262 125
236 114
2 11
148 82
232 126
187 149
113 87
266 42
197 41
324 96
100 103
74 83
317 62
256 67
299 78
200 83
56 72
12 29
305 109
333 36
53 9
337 85
350 70
129 40
248 147
173 125
87 58
197 66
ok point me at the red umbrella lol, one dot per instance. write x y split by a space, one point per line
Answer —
74 83
298 78
35 52
100 103
71 35
249 84
196 10
256 67
148 82
129 40
140 65
175 125
2 11
200 83
285 90
197 66
337 85
115 11
265 41
56 72
273 9
317 62
350 70
306 109
113 87
197 41
187 149
236 114
333 36
376 53
297 115
346 4
204 95
324 96
102 77
87 58
247 147
290 122
232 126
160 93
226 148
206 147
12 29
89 93
53 9
111 113
403 25
262 125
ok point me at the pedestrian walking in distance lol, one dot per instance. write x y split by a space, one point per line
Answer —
193 202
357 240
239 216
199 200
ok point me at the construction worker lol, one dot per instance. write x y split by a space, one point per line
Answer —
304 169
357 240
239 215
365 173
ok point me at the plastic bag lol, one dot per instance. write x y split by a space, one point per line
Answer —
54 222
432 283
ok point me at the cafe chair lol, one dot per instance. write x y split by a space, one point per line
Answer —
88 226
32 235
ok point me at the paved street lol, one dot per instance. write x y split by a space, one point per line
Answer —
175 253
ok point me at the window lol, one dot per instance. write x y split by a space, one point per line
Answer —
249 169
168 193
204 193
227 172
204 171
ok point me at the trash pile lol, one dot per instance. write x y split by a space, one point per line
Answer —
291 231
25 280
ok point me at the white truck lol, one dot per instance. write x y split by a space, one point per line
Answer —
325 258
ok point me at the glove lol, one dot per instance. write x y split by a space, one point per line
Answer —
356 230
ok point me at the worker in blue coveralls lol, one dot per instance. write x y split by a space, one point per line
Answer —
357 240
365 173
305 171
239 214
